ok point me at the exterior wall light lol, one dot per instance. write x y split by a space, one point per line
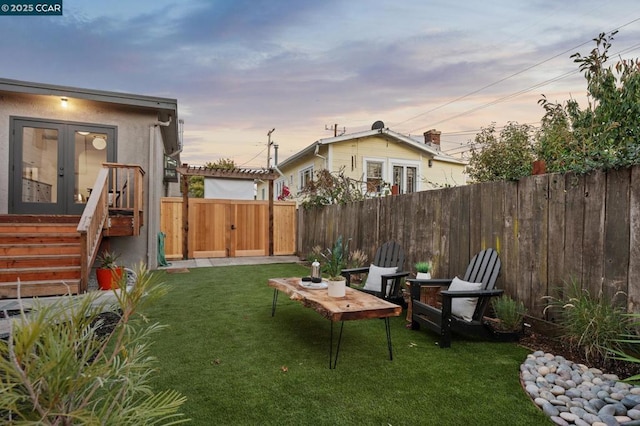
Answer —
64 102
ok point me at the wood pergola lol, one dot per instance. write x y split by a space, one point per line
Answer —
237 173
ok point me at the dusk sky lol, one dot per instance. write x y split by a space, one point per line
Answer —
240 68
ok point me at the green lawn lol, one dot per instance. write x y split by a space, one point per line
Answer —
238 365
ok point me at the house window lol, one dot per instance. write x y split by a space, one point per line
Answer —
306 176
374 176
170 173
405 177
278 188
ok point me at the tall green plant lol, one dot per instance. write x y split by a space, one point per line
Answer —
335 259
591 325
57 369
603 135
507 156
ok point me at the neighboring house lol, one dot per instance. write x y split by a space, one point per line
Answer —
384 162
54 141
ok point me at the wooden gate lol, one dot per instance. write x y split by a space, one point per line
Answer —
228 228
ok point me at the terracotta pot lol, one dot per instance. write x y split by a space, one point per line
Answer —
108 279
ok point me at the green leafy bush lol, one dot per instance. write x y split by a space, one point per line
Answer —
591 325
58 369
507 156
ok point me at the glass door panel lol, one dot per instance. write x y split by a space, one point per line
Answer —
89 154
40 165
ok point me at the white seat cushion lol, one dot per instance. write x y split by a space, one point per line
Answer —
463 307
374 278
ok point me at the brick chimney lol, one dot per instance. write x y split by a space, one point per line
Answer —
432 138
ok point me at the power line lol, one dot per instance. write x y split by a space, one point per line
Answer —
504 79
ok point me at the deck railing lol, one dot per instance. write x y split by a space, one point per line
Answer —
118 190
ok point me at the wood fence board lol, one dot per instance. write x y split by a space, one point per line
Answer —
510 253
486 212
526 263
633 289
456 218
557 227
540 225
444 228
616 235
171 226
594 187
574 232
496 195
440 258
475 224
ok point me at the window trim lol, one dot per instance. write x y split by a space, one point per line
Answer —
365 178
301 173
398 162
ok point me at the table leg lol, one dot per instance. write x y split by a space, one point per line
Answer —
388 329
332 365
274 302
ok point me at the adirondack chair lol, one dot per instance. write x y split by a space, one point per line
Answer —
384 275
463 316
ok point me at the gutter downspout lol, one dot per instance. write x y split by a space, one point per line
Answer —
153 208
326 165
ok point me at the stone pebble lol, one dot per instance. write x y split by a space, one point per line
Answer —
574 394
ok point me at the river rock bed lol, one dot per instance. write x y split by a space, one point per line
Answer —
574 394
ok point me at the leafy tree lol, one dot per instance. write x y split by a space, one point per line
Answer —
605 134
507 156
196 183
328 188
58 368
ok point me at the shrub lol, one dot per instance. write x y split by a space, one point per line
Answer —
510 313
57 368
591 325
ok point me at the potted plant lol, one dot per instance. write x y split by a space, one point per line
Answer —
108 272
508 323
335 260
423 270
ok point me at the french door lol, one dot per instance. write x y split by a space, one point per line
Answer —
55 164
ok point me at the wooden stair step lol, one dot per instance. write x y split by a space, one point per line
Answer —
37 288
39 261
14 228
38 238
39 249
25 218
38 274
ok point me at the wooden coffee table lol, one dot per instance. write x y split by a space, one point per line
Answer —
355 305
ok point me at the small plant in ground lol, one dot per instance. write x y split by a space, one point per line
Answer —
509 312
631 350
335 259
315 255
58 369
357 258
591 325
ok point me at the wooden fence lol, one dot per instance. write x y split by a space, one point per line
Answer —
228 228
550 230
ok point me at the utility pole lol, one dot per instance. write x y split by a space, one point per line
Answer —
269 143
